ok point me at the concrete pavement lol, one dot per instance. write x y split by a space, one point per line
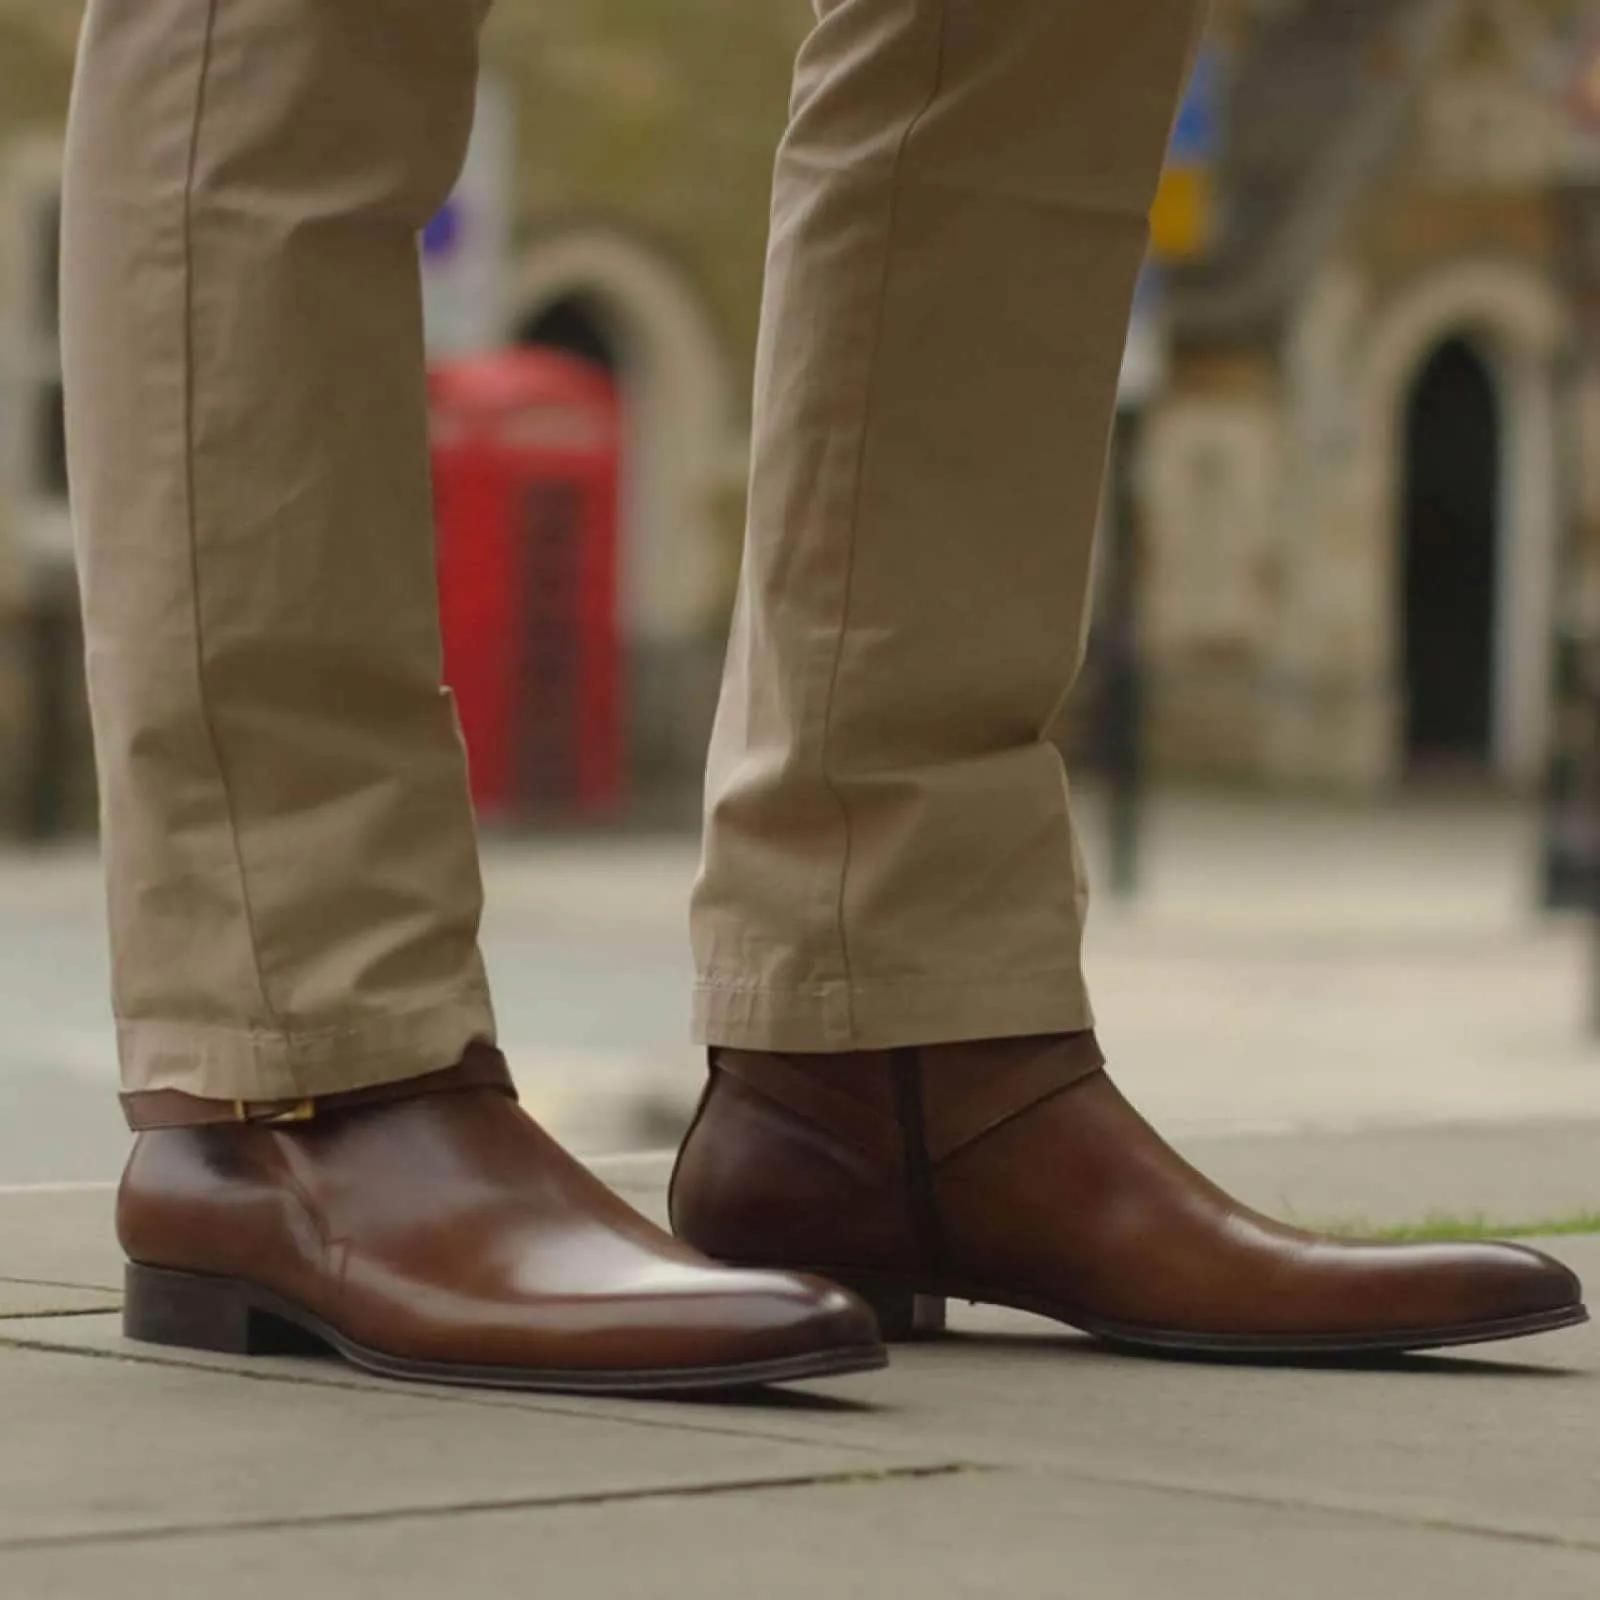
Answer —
1014 1460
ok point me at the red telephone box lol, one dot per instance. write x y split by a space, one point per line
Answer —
526 461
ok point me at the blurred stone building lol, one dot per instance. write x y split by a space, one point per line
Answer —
1366 492
1394 294
45 781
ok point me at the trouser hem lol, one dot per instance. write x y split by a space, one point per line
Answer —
829 1019
256 1064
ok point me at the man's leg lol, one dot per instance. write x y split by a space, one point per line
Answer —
329 1142
905 1091
293 874
960 217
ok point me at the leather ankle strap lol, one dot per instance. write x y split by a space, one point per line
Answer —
970 1091
482 1067
792 1084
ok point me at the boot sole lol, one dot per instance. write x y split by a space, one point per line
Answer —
195 1311
909 1312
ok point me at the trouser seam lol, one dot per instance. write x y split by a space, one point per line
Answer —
857 492
213 743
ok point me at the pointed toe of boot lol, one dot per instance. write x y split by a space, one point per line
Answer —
1036 1185
472 1249
1512 1283
792 1324
839 1320
1431 1296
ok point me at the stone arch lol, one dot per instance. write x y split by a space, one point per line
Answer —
1516 319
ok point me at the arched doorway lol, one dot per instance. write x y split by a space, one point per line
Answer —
1516 325
577 324
1450 592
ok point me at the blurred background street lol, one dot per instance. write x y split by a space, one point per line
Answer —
1292 967
1339 723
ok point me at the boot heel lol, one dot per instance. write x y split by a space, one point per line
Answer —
202 1313
903 1314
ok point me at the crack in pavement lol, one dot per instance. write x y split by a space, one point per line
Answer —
56 1283
865 1477
868 1477
615 1412
1504 1533
38 1315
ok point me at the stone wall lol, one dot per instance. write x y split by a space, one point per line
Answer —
35 68
662 115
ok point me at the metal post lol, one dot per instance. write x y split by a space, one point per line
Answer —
1571 853
1567 843
52 650
1568 878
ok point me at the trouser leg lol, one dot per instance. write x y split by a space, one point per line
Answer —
291 855
960 215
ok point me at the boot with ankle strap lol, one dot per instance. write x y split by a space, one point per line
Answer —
430 1229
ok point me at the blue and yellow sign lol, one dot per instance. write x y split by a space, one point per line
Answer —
1184 220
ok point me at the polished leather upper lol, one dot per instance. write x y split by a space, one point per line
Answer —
452 1229
1045 1187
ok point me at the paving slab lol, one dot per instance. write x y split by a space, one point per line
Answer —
1504 1437
1012 1535
96 1447
772 1414
1014 1459
62 1235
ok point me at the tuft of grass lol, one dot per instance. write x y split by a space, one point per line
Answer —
1439 1226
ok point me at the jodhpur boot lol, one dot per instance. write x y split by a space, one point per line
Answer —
432 1230
1013 1173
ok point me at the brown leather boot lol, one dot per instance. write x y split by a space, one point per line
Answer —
432 1230
1013 1173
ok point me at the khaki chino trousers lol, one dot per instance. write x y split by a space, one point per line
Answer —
959 218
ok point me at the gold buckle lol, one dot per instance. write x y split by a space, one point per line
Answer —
304 1111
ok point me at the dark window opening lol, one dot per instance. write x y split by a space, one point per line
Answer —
1452 559
578 325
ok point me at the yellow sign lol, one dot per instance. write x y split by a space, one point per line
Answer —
1183 221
